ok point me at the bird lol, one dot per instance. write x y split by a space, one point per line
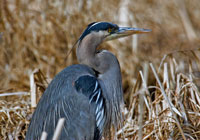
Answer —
87 95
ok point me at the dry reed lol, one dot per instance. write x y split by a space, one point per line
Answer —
36 35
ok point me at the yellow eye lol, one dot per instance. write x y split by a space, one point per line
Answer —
109 30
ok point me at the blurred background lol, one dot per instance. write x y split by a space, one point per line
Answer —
38 34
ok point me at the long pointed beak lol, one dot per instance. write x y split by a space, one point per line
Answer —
125 31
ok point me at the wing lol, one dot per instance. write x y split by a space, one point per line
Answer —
90 87
79 119
74 94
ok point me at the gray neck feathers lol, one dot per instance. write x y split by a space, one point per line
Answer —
110 75
113 84
86 49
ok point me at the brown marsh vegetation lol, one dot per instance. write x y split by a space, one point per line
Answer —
161 70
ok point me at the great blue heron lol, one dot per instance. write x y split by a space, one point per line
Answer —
88 95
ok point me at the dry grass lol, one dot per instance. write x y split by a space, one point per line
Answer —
36 35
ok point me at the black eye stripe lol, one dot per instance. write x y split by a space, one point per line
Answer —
98 26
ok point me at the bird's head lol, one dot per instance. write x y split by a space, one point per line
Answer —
94 35
109 31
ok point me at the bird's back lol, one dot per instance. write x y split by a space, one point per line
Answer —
61 100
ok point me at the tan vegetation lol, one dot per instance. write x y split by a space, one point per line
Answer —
162 99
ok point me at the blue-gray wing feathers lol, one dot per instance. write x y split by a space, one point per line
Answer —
65 99
90 87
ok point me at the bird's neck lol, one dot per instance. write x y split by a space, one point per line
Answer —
86 49
107 65
112 82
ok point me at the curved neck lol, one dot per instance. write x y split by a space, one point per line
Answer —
109 76
111 80
86 49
